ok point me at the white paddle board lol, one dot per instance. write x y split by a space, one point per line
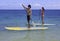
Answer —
41 24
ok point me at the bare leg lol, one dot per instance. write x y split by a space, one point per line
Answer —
28 25
42 21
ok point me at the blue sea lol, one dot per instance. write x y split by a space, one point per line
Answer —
17 18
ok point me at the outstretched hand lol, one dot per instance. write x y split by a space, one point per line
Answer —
22 5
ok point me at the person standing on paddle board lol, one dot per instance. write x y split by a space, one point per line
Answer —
42 14
28 10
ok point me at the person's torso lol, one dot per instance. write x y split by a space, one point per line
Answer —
42 12
28 11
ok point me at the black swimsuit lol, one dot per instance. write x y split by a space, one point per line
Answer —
28 18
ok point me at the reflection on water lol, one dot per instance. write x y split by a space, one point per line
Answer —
27 37
43 36
33 36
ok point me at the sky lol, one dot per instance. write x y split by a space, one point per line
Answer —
35 4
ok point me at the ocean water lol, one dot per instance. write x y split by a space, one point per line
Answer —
17 18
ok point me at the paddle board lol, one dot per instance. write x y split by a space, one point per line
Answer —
41 24
33 23
25 28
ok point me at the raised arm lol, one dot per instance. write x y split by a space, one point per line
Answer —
24 6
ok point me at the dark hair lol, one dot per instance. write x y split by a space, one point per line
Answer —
29 6
43 8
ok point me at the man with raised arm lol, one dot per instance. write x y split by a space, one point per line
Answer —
28 10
